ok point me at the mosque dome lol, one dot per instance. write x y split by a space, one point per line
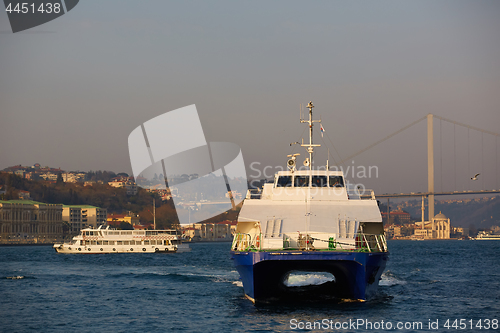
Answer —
440 216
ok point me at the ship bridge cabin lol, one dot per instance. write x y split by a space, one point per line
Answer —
311 184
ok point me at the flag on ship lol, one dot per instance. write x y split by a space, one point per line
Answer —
322 129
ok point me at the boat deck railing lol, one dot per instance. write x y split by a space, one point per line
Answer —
310 241
360 194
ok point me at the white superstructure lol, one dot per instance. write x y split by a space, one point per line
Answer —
121 241
483 235
310 209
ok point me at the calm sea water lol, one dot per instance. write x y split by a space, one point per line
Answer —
41 291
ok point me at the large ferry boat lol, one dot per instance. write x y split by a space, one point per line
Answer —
483 235
309 222
123 241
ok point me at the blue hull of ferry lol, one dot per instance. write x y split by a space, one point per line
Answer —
357 274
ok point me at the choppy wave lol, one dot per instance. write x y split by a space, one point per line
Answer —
15 277
178 276
390 279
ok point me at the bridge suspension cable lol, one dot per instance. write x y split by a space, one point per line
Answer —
380 141
468 126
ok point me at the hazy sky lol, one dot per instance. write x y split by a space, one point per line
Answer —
73 89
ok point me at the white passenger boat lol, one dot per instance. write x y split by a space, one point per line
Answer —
309 222
483 235
123 241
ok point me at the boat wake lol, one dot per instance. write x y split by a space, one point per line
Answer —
179 276
238 283
390 279
300 279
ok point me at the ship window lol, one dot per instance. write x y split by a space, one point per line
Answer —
336 181
119 242
99 242
301 181
284 181
93 242
104 242
146 242
319 181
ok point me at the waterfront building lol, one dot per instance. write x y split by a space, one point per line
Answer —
82 216
220 231
397 216
24 195
116 219
26 221
460 231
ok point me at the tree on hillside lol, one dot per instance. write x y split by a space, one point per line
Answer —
125 226
59 179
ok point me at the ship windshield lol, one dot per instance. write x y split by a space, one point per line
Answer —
336 181
301 181
284 181
319 181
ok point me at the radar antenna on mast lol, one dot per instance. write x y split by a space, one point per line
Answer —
310 146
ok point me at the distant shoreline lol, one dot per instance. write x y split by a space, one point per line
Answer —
26 244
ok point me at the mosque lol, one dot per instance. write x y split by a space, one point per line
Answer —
438 228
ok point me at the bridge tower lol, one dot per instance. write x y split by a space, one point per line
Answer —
430 165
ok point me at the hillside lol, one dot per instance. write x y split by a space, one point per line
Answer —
479 213
115 200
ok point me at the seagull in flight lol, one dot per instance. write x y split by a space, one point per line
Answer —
475 176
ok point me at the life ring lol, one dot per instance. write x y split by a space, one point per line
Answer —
132 249
166 249
101 248
157 250
89 249
144 249
114 249
257 241
79 249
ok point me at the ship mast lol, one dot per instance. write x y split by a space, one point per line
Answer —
310 146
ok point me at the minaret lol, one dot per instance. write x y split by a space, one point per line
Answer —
423 216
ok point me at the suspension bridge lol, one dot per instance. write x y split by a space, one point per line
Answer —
431 193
